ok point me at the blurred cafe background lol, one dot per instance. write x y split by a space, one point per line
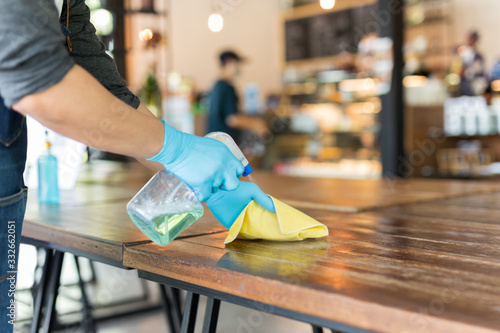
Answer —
357 89
343 89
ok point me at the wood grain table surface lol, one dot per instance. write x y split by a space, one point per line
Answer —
427 260
97 231
484 208
91 220
378 271
89 194
352 195
108 182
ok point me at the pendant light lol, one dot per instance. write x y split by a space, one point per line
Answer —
215 20
327 4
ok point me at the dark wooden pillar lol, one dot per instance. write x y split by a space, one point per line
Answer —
119 52
391 116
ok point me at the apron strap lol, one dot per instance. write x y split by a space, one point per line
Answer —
68 40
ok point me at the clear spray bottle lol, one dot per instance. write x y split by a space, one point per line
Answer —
166 206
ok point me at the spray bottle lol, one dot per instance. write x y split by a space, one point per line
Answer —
233 147
166 206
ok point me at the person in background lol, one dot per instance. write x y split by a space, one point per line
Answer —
469 65
54 68
223 115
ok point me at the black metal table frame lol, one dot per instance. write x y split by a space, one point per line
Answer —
47 291
213 305
50 281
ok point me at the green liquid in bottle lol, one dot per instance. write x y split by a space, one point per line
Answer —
162 229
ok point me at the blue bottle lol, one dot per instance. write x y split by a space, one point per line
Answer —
48 186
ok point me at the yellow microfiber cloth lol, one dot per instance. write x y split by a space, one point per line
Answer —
287 224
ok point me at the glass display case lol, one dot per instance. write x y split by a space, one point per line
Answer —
328 124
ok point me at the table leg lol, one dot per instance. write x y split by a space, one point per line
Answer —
53 286
88 321
211 315
93 274
174 297
40 293
190 311
317 329
171 308
177 298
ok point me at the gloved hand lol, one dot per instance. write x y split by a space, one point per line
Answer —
206 165
227 205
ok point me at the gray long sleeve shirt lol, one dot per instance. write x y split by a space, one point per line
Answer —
33 55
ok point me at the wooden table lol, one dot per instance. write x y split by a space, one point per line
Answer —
92 220
376 271
428 260
98 231
352 195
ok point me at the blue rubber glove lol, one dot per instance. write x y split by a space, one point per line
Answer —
206 165
227 205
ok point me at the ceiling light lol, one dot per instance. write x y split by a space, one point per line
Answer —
215 22
327 4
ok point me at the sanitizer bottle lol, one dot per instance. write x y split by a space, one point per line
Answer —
48 186
233 147
166 206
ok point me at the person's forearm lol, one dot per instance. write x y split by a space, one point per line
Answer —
80 108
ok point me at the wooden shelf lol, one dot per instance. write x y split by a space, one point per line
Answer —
314 9
477 136
139 11
429 21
